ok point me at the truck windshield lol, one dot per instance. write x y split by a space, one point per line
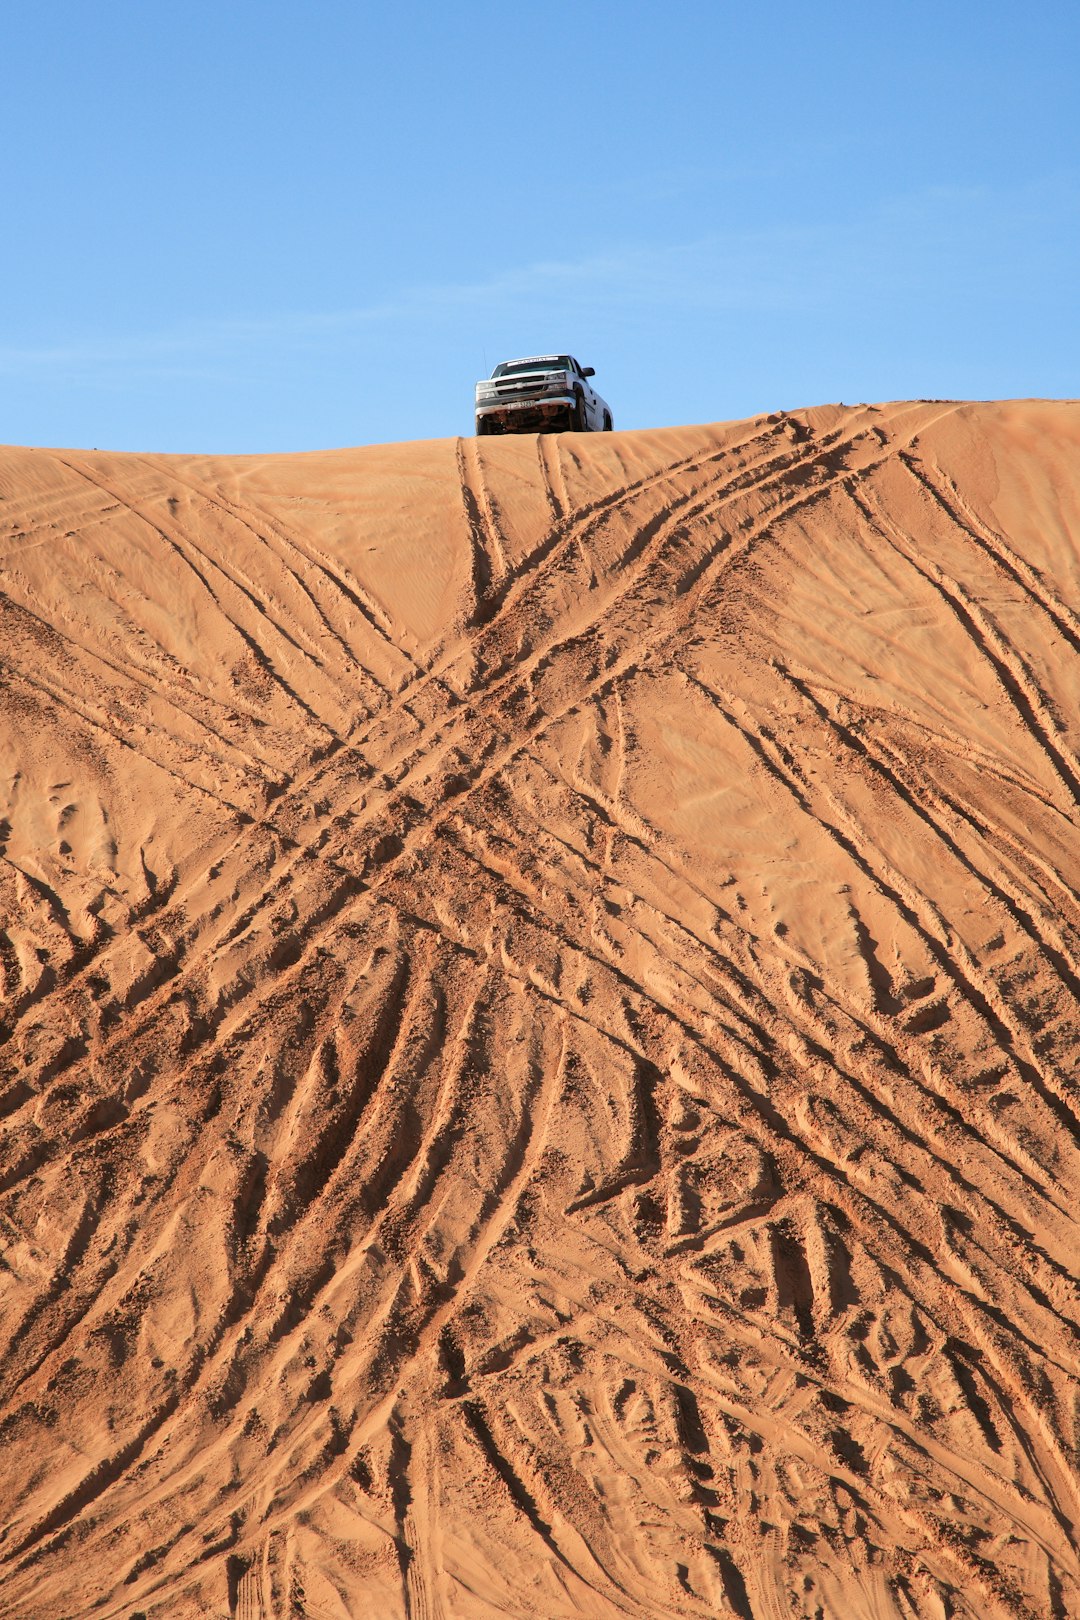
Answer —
515 368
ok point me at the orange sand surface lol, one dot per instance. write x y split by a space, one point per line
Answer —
540 1009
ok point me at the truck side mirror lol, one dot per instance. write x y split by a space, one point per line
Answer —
588 371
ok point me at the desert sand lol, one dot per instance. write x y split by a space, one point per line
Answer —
540 1010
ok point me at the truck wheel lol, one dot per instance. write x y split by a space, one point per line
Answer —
482 429
580 419
607 421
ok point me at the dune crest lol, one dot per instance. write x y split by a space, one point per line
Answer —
540 1022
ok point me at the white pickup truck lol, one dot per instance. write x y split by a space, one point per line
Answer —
546 391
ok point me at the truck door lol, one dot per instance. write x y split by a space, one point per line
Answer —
589 397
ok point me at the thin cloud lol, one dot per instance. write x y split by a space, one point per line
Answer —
926 240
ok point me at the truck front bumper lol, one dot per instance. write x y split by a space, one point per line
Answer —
521 415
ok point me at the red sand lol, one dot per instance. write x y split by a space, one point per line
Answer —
540 983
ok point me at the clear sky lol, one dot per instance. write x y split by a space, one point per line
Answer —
255 225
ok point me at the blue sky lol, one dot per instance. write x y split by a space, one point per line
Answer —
264 226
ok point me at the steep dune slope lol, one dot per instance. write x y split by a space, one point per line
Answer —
540 1012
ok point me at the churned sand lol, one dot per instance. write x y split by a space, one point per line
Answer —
539 994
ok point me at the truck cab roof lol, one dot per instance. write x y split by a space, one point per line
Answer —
537 362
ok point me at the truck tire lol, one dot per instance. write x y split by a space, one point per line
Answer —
580 419
607 422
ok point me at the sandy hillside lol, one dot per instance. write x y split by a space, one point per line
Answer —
540 996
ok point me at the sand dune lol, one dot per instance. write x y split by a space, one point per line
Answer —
540 996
